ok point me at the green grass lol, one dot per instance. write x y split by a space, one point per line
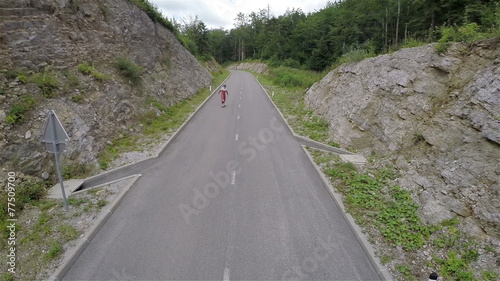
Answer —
67 232
19 111
129 70
405 271
490 275
303 121
411 43
293 78
47 83
7 277
370 200
76 170
289 86
376 202
154 13
355 55
88 69
55 250
77 98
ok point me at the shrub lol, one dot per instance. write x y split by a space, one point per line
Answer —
129 70
466 33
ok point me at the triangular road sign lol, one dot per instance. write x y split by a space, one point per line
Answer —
54 131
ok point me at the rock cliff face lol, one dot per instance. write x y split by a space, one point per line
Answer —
43 43
436 118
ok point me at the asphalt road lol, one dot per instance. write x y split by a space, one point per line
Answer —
234 197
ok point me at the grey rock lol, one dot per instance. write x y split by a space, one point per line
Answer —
444 142
433 212
491 131
3 116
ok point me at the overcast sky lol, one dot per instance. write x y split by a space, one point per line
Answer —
221 13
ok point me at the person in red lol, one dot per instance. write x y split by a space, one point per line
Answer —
223 95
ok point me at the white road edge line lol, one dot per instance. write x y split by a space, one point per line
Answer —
233 177
236 137
226 274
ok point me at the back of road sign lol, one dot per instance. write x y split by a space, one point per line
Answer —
54 131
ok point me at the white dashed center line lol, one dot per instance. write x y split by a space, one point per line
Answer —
233 177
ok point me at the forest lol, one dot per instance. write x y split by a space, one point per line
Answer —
316 41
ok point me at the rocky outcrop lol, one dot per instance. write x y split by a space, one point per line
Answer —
49 39
436 118
256 67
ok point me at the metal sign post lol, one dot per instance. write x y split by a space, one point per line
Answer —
55 139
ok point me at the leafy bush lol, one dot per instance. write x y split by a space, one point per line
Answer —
466 33
455 268
129 70
400 223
